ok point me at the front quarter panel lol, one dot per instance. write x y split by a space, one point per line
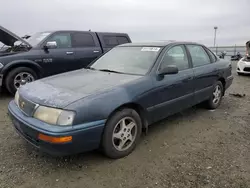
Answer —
28 57
100 106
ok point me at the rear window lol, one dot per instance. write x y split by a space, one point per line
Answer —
112 41
82 40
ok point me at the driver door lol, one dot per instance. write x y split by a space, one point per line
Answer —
175 92
59 58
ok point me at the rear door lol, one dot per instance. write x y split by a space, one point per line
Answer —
60 58
86 48
205 71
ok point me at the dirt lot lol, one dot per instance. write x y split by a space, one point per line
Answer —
195 148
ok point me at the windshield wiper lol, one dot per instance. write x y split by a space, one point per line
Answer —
108 70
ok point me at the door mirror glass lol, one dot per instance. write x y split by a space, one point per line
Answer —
51 45
170 69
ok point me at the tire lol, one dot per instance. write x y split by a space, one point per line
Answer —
110 144
212 103
240 74
10 78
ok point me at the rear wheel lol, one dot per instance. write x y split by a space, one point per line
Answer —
18 77
121 133
216 97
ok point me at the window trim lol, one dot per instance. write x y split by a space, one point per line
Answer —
189 65
191 55
56 33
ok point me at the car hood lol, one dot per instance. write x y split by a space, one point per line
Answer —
8 38
61 90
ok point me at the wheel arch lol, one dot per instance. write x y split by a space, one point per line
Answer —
223 81
138 108
22 63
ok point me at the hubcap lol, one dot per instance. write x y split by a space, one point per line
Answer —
124 133
217 94
22 78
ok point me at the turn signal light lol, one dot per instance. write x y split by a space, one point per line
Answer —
55 140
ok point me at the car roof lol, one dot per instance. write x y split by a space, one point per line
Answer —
157 43
53 31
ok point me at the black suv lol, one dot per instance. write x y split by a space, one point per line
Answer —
49 53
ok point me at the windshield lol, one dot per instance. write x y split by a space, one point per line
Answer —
36 38
130 60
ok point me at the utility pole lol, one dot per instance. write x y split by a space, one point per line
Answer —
215 30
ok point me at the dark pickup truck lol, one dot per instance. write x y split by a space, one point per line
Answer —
49 53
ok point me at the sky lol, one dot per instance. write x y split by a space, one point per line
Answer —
143 20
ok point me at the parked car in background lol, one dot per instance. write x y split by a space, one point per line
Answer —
243 66
222 55
236 57
49 53
122 92
248 49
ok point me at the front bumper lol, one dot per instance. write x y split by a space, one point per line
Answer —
85 137
243 68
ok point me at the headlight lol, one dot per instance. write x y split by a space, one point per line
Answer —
54 116
17 98
1 65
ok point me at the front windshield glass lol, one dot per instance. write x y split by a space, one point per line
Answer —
129 60
36 38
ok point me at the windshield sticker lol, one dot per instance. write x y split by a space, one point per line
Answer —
150 49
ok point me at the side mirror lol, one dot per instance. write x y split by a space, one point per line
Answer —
50 45
170 69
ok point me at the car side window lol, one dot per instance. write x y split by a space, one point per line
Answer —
213 58
110 41
63 40
175 56
82 40
122 40
199 55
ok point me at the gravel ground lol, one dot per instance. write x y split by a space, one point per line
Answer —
195 148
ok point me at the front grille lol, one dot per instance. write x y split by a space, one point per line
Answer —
26 106
247 69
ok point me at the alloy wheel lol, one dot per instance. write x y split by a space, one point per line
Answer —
217 94
22 78
124 133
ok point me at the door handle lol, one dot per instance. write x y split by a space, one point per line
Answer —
96 51
69 53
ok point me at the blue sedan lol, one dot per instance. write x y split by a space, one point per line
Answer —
108 104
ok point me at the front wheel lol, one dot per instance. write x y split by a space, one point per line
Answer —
18 77
121 133
216 97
